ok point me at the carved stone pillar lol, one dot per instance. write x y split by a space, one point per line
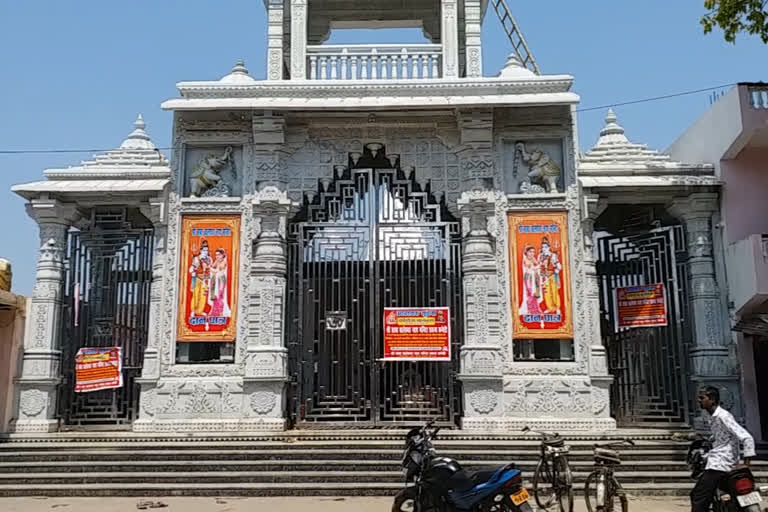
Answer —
600 378
41 360
266 368
298 39
475 152
156 212
450 38
481 355
275 15
712 360
268 150
473 21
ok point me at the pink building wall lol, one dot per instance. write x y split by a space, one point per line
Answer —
745 194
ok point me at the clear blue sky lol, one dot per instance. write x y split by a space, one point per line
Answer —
75 74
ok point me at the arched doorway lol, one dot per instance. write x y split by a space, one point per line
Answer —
371 238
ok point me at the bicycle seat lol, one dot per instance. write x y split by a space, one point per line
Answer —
607 456
554 442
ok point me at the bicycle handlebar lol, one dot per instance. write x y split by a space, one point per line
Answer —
545 435
615 443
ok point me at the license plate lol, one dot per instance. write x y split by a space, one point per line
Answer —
520 497
752 498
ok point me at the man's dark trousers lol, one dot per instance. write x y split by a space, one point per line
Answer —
704 490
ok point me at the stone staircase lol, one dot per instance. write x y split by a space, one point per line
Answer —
299 463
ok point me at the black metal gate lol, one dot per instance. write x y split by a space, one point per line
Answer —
108 270
372 239
649 364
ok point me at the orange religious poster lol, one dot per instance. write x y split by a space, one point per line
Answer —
540 275
210 249
98 368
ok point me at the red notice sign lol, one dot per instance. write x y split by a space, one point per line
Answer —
98 368
417 334
641 306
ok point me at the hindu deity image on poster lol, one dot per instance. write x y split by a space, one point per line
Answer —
209 277
540 276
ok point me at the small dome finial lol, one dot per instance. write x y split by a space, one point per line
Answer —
240 67
238 75
513 68
138 139
139 123
612 127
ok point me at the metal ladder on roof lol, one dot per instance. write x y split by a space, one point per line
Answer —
515 35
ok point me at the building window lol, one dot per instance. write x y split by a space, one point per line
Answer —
543 350
205 352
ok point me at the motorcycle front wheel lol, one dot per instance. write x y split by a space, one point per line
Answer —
407 501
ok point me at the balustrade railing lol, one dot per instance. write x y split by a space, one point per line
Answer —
759 96
375 62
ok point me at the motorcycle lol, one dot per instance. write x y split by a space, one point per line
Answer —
738 484
440 484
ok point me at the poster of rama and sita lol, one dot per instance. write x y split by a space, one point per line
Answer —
210 248
540 276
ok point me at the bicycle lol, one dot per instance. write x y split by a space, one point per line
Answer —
553 480
601 489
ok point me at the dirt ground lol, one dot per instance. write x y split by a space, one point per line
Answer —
316 504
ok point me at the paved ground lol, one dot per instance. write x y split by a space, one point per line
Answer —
318 504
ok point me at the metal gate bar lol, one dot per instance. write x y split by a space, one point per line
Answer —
374 239
108 266
649 364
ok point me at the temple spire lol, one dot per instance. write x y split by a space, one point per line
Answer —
138 139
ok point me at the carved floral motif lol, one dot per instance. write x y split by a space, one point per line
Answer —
263 402
483 401
32 402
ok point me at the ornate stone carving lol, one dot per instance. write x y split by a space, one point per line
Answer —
148 401
483 401
32 402
205 179
547 399
263 402
46 290
600 401
40 312
543 174
199 401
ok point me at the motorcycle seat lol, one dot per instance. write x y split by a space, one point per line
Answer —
479 477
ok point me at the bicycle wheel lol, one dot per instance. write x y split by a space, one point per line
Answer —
590 490
616 500
564 484
543 484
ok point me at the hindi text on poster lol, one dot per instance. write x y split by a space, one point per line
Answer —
641 306
417 334
98 368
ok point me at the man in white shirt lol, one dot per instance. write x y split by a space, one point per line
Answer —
727 438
